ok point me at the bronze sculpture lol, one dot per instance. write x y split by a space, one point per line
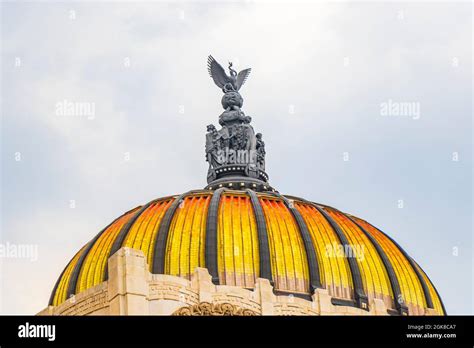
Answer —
228 83
234 150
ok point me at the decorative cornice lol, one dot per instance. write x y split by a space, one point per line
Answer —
214 309
240 183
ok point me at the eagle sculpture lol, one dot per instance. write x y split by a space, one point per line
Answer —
228 83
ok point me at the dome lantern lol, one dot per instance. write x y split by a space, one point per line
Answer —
235 153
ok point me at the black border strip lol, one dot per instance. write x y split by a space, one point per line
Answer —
359 293
426 290
71 289
123 234
263 247
314 276
397 294
294 331
162 236
211 235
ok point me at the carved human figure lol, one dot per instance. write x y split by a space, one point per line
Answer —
260 152
212 146
251 141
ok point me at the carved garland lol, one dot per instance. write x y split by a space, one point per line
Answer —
213 309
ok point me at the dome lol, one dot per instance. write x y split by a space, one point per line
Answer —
246 237
241 235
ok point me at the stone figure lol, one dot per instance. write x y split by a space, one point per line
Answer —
236 142
231 82
212 146
260 152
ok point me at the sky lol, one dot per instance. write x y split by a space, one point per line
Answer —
366 107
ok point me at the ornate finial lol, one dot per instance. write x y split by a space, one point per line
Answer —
236 155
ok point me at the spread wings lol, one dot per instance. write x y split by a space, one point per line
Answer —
220 78
217 72
242 77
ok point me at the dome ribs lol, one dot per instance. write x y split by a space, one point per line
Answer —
71 290
374 274
123 234
408 281
178 233
268 235
286 274
56 285
151 230
251 240
195 248
62 283
359 293
53 293
336 274
314 275
397 294
211 235
93 270
263 247
431 285
426 291
237 241
162 236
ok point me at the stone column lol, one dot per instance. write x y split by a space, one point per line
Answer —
201 281
264 291
378 307
322 301
127 283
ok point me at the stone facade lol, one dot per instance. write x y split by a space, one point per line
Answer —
132 290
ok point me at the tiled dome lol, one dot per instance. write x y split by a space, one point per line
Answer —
241 235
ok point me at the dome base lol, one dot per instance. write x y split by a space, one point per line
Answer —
133 290
240 183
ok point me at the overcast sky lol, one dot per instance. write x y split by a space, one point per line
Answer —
321 75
